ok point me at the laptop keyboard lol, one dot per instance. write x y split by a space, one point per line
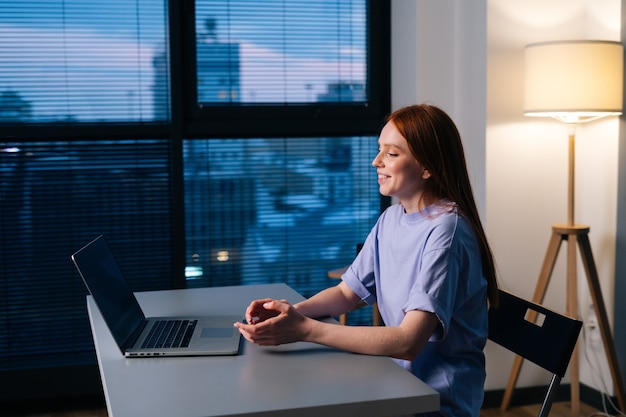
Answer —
170 334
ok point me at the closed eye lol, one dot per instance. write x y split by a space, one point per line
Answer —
389 154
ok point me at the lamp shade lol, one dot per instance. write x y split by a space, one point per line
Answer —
573 81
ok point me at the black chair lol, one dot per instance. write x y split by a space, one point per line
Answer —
537 334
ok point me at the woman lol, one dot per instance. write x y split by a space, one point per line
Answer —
426 262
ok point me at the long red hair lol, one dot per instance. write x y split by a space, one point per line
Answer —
435 142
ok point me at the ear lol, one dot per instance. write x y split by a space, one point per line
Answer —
425 174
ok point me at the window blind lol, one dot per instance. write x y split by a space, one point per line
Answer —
281 51
277 209
285 68
77 61
55 198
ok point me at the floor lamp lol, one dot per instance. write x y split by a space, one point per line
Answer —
573 82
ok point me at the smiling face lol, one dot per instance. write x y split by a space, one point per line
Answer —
399 173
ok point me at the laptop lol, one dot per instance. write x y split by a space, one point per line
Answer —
139 336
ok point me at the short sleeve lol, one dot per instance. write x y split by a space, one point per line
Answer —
360 276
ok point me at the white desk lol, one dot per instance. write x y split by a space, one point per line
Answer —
299 379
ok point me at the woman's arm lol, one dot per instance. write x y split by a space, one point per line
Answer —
331 302
280 322
403 342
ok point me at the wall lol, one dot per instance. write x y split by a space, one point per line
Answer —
467 56
439 57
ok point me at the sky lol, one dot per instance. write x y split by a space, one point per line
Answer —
96 55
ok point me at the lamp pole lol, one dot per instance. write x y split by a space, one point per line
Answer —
571 190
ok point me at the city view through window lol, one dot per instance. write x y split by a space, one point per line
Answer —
278 209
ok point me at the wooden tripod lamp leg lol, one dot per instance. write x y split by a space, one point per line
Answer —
508 392
603 320
572 311
540 291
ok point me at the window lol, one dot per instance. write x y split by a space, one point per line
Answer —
277 209
76 61
280 52
286 68
291 204
215 143
56 196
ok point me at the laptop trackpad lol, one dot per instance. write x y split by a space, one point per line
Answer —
216 332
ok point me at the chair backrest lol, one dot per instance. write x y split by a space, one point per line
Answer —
548 343
535 333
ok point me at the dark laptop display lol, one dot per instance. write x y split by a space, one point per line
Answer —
132 331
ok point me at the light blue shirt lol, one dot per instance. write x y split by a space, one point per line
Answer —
430 261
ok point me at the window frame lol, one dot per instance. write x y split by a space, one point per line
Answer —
314 119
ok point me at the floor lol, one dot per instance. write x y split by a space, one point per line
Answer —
559 409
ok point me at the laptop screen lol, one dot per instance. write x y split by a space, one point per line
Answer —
114 298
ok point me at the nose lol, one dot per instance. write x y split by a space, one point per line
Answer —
377 161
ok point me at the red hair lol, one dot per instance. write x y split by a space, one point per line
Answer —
435 142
